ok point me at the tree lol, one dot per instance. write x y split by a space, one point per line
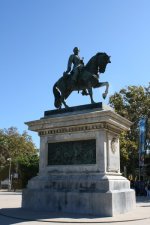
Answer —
18 147
28 168
132 103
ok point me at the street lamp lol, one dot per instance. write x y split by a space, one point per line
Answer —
9 182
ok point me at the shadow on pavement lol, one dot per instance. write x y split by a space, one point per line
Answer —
19 215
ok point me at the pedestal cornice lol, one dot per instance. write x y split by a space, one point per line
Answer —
84 120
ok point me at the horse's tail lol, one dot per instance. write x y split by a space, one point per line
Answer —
57 96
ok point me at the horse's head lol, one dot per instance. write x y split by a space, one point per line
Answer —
102 59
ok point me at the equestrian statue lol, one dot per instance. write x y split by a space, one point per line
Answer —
81 78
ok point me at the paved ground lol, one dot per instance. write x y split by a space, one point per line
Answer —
12 213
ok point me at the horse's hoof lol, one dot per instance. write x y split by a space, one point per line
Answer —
84 92
104 96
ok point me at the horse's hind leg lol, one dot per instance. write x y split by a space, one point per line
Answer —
64 103
66 106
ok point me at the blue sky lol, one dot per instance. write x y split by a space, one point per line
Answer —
37 37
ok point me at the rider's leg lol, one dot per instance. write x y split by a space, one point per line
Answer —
75 74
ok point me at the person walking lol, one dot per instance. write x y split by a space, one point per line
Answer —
148 190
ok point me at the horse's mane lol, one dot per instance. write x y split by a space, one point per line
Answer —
94 58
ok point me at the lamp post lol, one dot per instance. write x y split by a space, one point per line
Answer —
9 182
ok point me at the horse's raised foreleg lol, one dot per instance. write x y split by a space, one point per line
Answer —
106 90
101 84
91 95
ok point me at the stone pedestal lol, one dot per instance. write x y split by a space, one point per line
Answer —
80 163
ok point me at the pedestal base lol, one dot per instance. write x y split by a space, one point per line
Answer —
98 204
97 196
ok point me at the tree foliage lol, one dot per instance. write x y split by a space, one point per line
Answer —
28 167
20 148
132 103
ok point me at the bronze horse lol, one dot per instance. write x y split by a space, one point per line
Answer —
88 79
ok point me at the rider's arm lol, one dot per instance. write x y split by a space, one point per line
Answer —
81 61
70 61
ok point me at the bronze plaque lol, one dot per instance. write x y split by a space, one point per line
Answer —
72 152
